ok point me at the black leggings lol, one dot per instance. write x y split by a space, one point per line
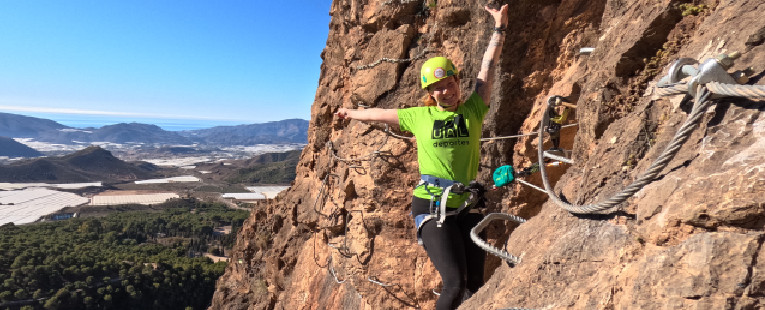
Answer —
456 257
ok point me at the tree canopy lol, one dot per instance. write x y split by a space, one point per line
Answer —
126 260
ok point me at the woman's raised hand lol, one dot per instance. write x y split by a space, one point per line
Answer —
500 16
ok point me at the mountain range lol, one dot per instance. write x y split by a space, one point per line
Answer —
44 130
86 165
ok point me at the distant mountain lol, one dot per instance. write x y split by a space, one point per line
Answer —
20 126
87 165
269 168
284 131
11 148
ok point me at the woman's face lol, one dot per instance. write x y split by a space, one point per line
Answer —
446 92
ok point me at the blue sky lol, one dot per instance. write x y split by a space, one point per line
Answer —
234 61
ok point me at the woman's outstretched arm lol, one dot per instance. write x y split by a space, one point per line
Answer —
491 56
388 116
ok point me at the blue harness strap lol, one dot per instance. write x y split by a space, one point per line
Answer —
438 209
436 181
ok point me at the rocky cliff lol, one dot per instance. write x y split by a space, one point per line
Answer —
342 237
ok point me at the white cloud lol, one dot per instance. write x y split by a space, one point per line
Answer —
66 111
28 109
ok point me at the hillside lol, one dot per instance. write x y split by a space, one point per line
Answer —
284 131
271 168
268 169
20 126
87 165
11 148
690 238
133 132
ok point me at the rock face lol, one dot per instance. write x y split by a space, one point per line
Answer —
342 237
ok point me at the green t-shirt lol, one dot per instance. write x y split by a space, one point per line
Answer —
448 143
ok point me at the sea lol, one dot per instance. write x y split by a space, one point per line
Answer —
169 124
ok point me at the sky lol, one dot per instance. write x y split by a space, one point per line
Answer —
192 61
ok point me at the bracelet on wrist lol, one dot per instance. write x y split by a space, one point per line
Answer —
499 30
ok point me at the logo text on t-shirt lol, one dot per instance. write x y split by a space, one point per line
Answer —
453 128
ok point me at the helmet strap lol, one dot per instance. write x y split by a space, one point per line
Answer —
444 107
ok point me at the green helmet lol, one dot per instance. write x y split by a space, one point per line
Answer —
436 69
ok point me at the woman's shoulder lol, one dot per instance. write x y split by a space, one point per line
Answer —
417 110
475 104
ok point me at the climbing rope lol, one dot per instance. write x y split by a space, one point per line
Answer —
521 135
367 157
331 216
489 248
531 185
394 60
399 1
344 251
387 130
332 271
558 158
321 195
374 280
700 106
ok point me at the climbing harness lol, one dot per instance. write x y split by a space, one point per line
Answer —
503 175
556 119
438 209
554 125
712 74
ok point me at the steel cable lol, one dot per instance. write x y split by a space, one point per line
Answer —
682 135
489 248
749 91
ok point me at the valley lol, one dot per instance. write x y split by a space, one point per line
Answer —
125 225
46 167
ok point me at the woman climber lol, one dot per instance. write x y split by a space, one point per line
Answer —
447 131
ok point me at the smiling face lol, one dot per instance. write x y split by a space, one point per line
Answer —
446 92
